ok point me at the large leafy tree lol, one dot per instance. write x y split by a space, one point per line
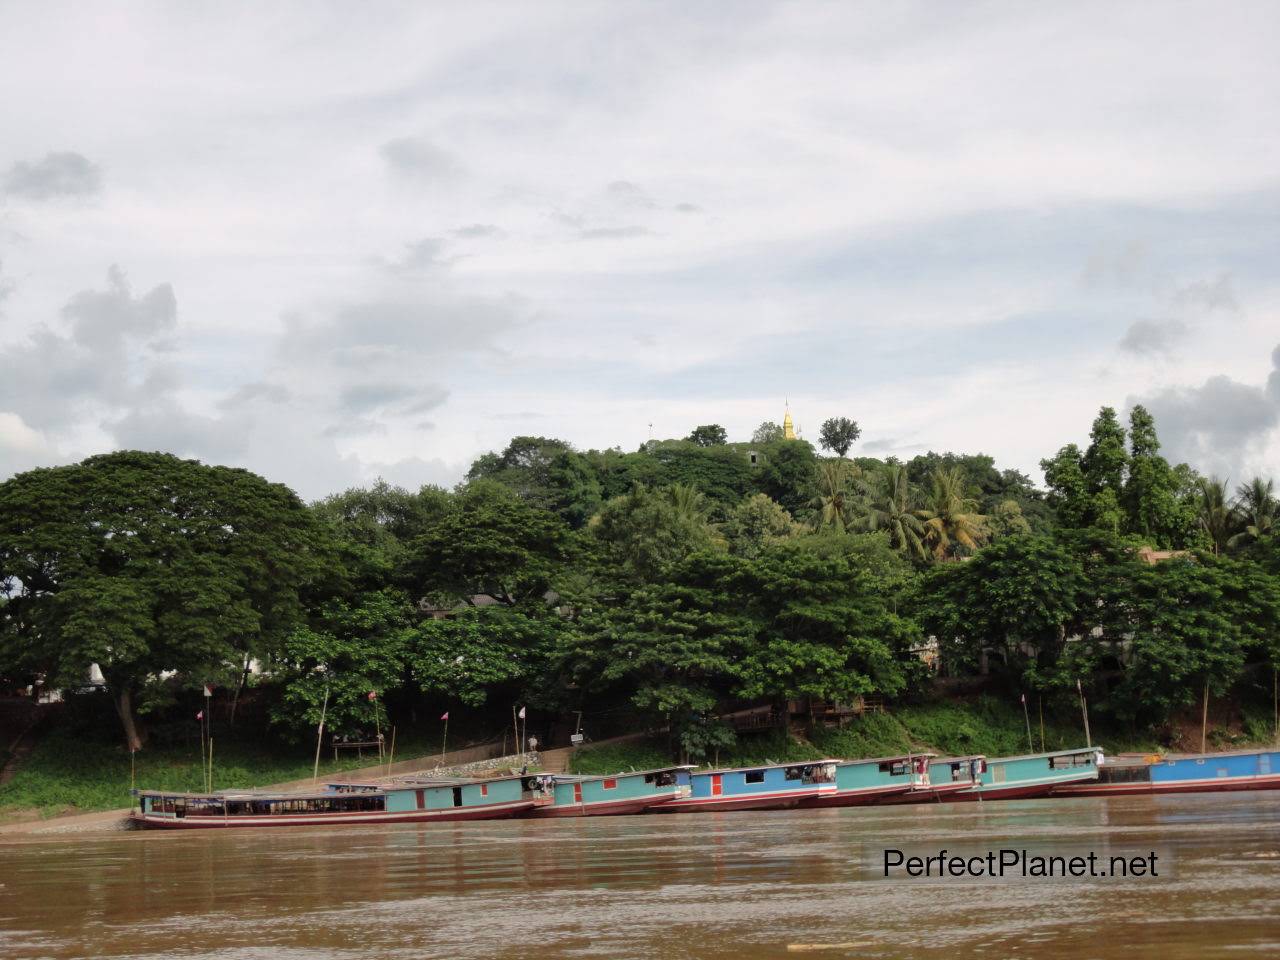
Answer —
488 542
754 524
546 473
143 564
709 435
1154 506
641 535
839 434
348 650
788 475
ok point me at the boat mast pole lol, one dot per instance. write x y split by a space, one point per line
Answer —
315 770
1084 712
1031 746
1204 717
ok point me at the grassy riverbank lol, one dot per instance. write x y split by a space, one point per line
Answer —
69 773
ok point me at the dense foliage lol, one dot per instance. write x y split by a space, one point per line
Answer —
670 585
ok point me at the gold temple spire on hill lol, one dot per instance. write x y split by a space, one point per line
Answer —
788 428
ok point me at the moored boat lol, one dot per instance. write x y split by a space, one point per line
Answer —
1193 773
946 775
877 780
769 787
619 793
399 801
1030 775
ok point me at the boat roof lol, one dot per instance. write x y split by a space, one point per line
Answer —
889 759
224 795
1206 756
583 777
967 756
1037 756
771 766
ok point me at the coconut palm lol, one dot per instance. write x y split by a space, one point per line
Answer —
1217 519
889 508
950 517
835 504
1256 510
690 503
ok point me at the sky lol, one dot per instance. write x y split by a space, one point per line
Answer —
336 242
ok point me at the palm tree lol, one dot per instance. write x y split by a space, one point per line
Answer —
689 503
834 505
889 509
1216 516
1256 510
950 517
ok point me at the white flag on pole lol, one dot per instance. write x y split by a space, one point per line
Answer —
521 713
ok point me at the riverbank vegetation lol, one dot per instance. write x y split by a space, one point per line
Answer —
669 589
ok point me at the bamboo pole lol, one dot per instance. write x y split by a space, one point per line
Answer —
515 727
1084 712
1275 699
444 740
324 707
1041 699
210 790
1204 718
1031 746
392 755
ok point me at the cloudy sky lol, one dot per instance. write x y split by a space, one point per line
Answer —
332 242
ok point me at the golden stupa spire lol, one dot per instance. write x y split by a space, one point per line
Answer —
788 428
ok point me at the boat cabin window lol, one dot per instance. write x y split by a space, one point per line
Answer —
457 796
896 768
754 776
667 778
484 789
1070 761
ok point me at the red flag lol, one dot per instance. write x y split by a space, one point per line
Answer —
200 715
445 715
372 695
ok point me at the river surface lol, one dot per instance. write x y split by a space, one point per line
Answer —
762 884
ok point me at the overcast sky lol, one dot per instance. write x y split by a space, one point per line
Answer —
332 243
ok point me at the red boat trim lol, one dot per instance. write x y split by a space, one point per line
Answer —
857 797
1204 785
605 808
751 801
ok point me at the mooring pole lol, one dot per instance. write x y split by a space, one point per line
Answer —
1084 712
315 770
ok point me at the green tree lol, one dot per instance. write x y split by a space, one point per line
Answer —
891 509
546 473
709 435
839 434
468 656
489 542
767 433
1015 598
1256 509
1106 460
1069 493
754 524
788 475
642 534
835 502
143 564
1153 506
1217 519
348 651
951 522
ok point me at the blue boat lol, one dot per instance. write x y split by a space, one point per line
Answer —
1194 773
878 780
618 793
408 799
1031 775
773 786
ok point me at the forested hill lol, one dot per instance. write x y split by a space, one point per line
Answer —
666 586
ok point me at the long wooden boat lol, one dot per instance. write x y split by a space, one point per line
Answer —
619 793
1031 775
878 780
403 800
946 775
770 787
1193 773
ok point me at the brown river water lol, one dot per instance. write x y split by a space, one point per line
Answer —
763 884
